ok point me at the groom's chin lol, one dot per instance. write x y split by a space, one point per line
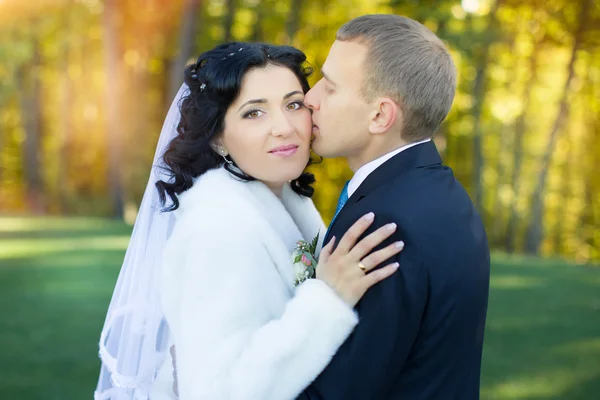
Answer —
319 150
316 148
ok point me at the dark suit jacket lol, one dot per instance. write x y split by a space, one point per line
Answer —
420 333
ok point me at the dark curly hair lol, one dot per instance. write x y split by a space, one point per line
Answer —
214 83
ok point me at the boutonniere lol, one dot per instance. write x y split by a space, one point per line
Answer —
305 260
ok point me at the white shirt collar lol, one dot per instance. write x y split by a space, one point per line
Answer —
364 171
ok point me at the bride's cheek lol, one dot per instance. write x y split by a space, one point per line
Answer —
305 125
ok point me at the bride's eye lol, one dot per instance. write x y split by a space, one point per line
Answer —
295 105
252 114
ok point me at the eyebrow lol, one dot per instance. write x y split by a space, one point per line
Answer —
263 101
327 77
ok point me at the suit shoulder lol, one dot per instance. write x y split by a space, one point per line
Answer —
426 188
428 199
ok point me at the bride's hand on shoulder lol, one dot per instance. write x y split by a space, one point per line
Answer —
349 269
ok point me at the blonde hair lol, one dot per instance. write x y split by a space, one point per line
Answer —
408 63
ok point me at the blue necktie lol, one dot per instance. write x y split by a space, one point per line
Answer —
341 201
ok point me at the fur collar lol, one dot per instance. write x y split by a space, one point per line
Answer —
282 220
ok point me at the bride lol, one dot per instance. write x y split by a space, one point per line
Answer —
209 272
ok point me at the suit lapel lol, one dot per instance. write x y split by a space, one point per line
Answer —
419 156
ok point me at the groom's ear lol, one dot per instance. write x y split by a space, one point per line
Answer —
385 116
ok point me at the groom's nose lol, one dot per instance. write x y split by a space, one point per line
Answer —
310 99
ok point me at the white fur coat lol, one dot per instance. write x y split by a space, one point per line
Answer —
241 330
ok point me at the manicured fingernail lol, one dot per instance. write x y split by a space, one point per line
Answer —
400 245
391 227
395 265
370 216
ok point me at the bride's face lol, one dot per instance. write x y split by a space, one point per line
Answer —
267 128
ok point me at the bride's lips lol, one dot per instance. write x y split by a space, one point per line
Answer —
285 151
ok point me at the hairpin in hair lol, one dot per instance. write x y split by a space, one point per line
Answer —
232 54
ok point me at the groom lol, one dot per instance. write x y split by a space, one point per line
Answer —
388 83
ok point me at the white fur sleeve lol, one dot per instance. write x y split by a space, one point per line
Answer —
228 344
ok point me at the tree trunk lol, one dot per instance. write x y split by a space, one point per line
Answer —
592 201
592 217
589 220
258 32
293 20
498 211
535 229
593 186
28 77
520 129
2 137
479 91
186 46
501 163
64 133
563 208
113 106
228 20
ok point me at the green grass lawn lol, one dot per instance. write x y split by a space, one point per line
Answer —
57 275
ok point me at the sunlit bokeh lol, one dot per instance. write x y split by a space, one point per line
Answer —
82 80
470 6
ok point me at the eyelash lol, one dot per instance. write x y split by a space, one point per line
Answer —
247 114
298 102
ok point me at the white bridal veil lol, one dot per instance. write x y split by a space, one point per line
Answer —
134 338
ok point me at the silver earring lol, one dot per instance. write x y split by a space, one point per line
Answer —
224 155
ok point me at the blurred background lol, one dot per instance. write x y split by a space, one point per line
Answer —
85 86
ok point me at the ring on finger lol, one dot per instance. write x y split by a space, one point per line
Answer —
362 267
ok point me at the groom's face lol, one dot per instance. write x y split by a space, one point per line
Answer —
340 113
